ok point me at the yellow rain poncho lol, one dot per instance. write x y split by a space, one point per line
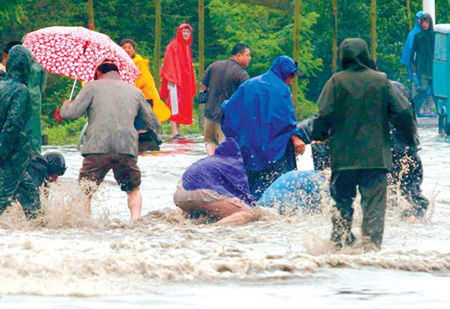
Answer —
146 83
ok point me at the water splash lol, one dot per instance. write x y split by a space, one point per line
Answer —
76 254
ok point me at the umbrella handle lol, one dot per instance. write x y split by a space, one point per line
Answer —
73 89
70 99
58 111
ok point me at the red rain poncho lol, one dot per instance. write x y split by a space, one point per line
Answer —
178 69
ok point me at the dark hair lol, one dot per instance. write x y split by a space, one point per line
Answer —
130 41
56 163
239 48
11 45
106 67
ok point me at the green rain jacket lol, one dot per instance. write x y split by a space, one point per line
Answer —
15 109
36 86
355 108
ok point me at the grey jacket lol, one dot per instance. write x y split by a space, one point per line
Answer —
111 106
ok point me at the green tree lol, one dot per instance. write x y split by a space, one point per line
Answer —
201 37
11 12
266 25
268 32
201 53
157 48
442 11
335 30
393 29
90 10
297 4
408 9
373 29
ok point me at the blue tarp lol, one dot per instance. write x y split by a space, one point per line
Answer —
260 115
222 172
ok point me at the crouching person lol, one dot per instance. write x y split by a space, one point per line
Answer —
43 170
217 187
111 138
47 168
407 158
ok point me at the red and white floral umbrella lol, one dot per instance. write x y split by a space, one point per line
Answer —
76 51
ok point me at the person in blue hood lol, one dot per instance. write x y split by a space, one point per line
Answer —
406 55
217 187
260 117
15 134
421 60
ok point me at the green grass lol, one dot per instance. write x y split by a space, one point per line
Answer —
194 128
65 133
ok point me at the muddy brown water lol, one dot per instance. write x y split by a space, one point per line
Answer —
165 261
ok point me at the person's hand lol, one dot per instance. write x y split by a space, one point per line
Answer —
416 80
67 102
299 145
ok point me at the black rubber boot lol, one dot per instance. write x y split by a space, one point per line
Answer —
341 233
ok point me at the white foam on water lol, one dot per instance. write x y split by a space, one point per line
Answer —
72 253
163 247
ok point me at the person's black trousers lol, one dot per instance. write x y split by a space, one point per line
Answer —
372 185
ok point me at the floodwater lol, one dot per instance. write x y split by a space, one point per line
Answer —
165 261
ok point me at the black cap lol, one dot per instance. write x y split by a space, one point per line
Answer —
56 162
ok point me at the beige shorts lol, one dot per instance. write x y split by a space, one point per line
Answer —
213 132
208 202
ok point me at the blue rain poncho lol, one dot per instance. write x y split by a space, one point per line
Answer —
260 115
222 172
405 59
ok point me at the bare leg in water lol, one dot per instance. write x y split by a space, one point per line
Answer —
238 218
135 203
230 211
89 188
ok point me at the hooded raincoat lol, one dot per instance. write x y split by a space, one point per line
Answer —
260 116
222 172
15 135
36 86
422 51
406 55
178 69
355 108
146 83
